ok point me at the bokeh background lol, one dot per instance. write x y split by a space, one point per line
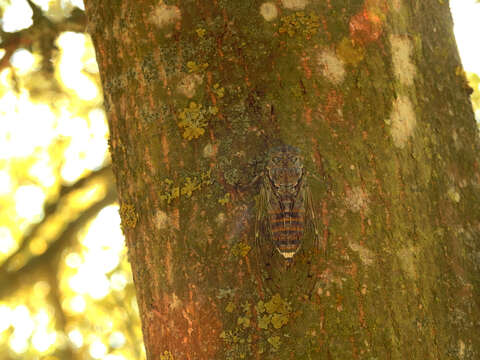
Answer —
66 290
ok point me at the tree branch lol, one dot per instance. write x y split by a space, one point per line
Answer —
50 208
12 280
43 31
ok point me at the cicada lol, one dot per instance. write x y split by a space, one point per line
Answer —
284 206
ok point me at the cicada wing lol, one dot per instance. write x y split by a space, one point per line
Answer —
262 226
263 229
311 218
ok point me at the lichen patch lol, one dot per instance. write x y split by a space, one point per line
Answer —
269 11
402 121
294 4
366 255
357 199
164 15
330 66
403 67
188 85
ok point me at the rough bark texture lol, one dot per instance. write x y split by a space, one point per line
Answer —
373 94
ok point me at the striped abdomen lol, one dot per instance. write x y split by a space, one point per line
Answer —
287 227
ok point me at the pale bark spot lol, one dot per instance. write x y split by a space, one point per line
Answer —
397 5
402 121
161 220
164 15
363 290
188 85
356 199
330 66
407 258
366 255
294 4
453 194
175 302
209 151
269 11
461 349
220 219
403 67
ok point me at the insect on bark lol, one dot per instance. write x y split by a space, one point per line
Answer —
283 201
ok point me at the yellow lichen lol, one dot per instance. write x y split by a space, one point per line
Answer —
349 52
230 307
224 200
169 191
193 67
185 187
128 215
190 186
241 249
167 355
193 120
201 32
218 90
299 23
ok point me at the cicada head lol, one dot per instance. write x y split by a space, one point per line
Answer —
285 168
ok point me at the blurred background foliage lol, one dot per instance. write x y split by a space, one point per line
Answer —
66 289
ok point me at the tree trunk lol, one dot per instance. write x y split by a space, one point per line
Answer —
373 96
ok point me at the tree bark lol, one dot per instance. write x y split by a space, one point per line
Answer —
373 95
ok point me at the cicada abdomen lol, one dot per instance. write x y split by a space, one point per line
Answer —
284 195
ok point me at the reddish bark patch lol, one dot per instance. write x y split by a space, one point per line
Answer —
365 27
188 329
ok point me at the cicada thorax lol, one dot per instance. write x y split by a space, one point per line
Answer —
285 184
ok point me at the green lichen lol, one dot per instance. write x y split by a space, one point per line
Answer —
238 346
275 312
278 305
299 23
238 340
275 342
270 316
